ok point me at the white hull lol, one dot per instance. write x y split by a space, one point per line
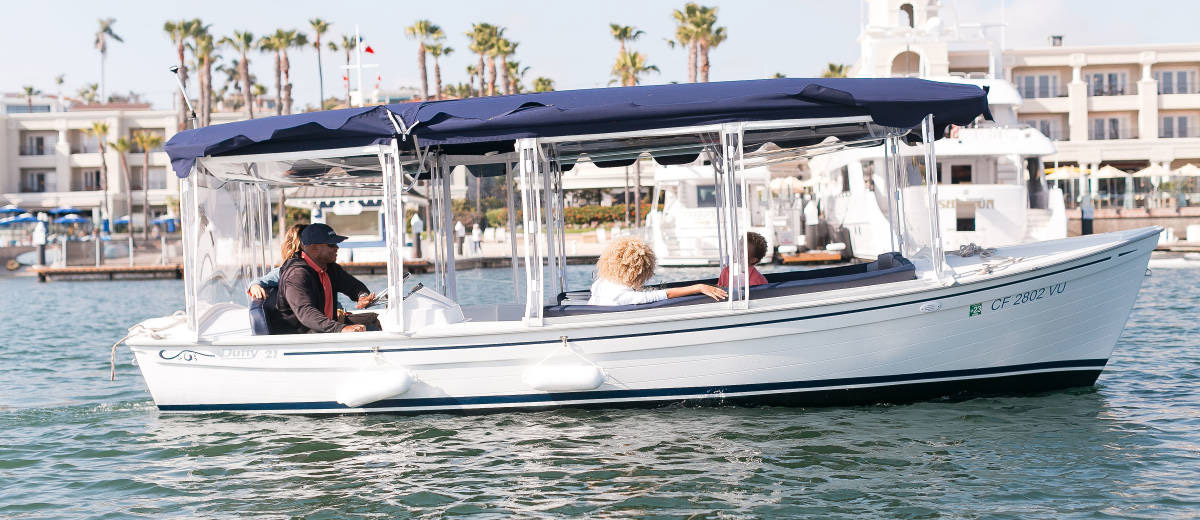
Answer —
879 343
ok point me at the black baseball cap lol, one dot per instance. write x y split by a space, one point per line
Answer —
319 234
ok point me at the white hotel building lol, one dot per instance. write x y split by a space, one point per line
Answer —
48 160
1128 106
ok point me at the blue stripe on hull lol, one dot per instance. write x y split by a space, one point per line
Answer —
1080 372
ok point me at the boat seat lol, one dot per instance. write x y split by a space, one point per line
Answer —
887 268
260 324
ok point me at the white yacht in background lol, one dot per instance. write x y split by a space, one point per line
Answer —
992 191
683 232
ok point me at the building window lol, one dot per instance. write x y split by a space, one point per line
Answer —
36 181
1176 81
85 179
1038 85
134 131
1105 128
1107 83
158 178
38 143
905 16
83 142
960 174
1178 126
1051 127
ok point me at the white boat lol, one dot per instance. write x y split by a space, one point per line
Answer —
992 184
681 233
906 326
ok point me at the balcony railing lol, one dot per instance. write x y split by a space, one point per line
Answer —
1112 91
1175 132
37 150
1036 93
1176 88
1108 134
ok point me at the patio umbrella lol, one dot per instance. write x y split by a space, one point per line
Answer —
71 219
22 219
64 211
1187 170
122 220
1063 173
1153 170
164 219
11 209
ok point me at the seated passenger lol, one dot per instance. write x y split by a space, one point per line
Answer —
756 249
291 245
625 266
308 281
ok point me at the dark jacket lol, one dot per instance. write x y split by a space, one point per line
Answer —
301 300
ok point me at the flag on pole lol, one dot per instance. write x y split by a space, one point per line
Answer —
369 50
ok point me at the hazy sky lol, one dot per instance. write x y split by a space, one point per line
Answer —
567 41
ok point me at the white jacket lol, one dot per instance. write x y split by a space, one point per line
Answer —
605 292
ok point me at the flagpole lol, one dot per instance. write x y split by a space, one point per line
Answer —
358 57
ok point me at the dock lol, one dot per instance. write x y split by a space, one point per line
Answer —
110 272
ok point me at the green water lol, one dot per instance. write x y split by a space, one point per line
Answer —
74 445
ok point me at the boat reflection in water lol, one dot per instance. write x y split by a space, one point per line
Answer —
911 324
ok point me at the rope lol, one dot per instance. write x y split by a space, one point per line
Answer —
134 331
973 249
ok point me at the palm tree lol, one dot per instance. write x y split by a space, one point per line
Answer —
272 43
630 67
426 34
834 70
494 37
243 42
102 35
179 33
289 39
348 44
685 35
515 73
543 84
122 146
709 36
100 132
481 43
505 48
472 72
204 48
624 33
58 83
89 93
259 91
319 27
29 93
437 50
146 141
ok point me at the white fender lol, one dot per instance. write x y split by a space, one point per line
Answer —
564 378
375 385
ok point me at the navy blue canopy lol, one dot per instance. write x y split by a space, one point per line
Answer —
480 124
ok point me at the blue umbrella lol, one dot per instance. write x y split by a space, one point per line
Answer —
122 220
11 209
71 219
65 211
26 218
164 219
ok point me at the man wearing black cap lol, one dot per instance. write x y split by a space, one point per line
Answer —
308 281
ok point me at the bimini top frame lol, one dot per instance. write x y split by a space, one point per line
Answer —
545 134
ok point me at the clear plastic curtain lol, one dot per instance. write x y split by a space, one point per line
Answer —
229 239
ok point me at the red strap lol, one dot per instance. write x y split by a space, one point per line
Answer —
328 287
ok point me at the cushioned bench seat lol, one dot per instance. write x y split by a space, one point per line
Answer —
888 268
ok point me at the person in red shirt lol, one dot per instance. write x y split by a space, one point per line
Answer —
756 249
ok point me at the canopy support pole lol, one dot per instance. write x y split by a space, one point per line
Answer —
734 194
931 183
189 210
393 234
512 227
529 167
891 171
451 287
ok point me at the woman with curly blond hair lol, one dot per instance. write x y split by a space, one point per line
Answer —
624 268
287 249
